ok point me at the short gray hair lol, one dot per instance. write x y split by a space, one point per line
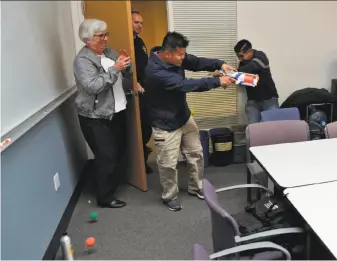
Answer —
89 27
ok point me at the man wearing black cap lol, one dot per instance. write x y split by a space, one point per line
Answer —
141 63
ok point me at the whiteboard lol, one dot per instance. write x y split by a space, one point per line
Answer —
38 49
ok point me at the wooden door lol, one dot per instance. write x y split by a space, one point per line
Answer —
117 15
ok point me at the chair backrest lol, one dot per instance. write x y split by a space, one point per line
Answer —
331 130
281 114
199 253
276 132
224 226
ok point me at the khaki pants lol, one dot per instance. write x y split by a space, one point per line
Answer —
168 145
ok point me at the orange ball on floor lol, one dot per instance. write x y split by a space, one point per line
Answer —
90 241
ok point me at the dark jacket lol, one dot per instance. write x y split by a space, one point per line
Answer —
304 97
141 58
259 65
166 88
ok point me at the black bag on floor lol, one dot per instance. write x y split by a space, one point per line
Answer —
273 212
270 210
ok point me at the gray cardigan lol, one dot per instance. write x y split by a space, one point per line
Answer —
95 97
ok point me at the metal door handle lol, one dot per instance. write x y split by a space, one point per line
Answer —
129 93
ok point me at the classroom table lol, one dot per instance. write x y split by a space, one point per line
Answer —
299 163
317 206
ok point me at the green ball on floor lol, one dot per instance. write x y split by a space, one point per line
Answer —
93 216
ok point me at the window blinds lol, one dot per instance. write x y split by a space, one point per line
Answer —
211 28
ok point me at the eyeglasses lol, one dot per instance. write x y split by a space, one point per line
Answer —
102 36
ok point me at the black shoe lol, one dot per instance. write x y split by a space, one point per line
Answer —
199 194
113 204
149 170
173 205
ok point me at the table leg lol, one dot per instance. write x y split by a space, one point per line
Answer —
308 242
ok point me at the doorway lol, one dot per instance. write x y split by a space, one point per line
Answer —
117 15
155 27
155 24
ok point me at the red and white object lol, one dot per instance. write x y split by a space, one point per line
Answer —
241 78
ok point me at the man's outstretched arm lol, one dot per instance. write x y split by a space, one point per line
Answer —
174 82
195 64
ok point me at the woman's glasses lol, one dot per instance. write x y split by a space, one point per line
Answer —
102 36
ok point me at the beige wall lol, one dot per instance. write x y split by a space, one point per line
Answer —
300 39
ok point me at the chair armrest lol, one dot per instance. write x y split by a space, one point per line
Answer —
251 246
270 233
244 186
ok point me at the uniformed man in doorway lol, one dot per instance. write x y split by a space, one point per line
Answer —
141 62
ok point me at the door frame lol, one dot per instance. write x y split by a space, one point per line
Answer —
77 18
170 20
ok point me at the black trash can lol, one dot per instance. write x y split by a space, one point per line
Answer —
239 144
204 139
222 144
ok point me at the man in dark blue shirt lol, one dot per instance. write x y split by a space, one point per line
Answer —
264 96
172 124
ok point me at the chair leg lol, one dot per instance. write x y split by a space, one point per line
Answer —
249 190
258 195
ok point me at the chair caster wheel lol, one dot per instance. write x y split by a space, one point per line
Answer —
249 208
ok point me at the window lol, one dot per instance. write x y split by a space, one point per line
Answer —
211 28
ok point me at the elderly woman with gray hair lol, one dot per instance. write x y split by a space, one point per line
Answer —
101 105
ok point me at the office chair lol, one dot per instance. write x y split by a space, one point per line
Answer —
331 130
268 133
226 233
199 252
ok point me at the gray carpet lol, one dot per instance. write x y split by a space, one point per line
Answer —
145 229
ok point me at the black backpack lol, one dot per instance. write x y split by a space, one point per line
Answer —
267 213
307 96
273 212
270 210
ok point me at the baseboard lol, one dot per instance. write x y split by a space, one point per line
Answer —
54 244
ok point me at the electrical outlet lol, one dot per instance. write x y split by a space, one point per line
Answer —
56 182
